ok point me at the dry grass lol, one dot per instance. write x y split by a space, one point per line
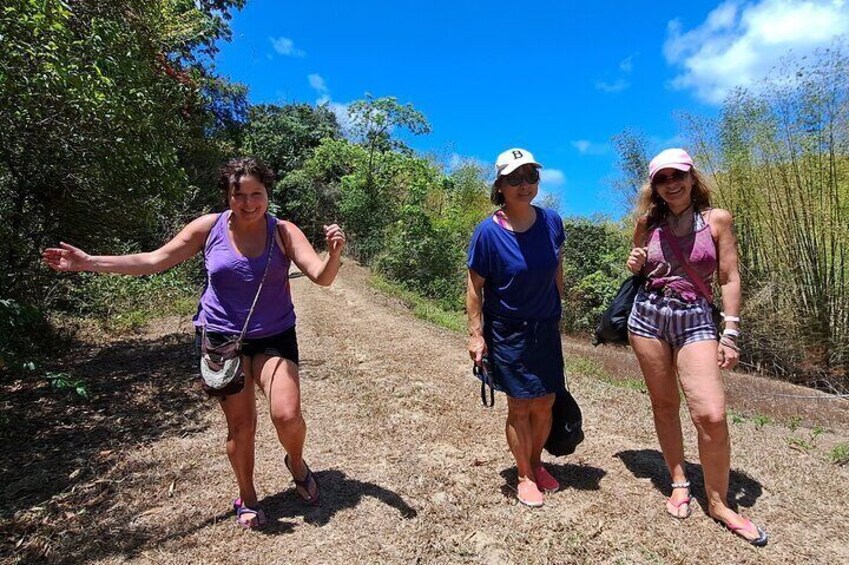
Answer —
412 469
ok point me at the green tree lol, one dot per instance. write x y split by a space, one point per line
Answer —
284 137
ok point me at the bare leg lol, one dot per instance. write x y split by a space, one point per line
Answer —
520 436
280 382
703 387
656 362
240 412
540 417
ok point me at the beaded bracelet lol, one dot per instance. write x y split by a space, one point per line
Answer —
729 344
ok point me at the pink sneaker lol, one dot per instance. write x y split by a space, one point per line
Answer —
545 481
528 493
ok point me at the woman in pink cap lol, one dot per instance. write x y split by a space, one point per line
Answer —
680 245
515 283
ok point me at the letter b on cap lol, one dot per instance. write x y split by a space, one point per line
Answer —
517 154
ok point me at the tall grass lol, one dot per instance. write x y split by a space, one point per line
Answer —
780 162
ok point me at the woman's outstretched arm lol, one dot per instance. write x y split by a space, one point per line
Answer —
184 245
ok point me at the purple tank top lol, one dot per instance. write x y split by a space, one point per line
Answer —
232 282
665 271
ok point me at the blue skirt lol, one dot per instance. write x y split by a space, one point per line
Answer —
525 356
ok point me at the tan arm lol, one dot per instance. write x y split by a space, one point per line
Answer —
184 245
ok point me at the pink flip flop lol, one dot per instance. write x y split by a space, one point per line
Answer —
688 501
759 541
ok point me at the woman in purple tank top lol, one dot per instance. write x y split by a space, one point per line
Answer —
680 244
235 245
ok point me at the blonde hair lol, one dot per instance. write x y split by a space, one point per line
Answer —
652 207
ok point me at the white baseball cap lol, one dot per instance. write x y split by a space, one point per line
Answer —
670 159
512 159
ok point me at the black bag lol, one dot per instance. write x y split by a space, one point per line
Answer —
566 425
613 327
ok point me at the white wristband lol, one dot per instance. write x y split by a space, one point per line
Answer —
729 318
731 332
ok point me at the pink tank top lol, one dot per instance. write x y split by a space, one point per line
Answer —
665 272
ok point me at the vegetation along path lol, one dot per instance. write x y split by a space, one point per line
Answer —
412 468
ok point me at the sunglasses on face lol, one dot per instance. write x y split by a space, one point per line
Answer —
517 177
673 176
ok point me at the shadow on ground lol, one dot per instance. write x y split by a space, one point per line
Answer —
124 539
580 477
338 493
60 448
743 490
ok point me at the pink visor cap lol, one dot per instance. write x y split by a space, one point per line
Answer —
670 159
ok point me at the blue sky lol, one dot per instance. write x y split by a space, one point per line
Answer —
557 78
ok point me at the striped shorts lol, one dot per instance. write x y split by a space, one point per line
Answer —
672 320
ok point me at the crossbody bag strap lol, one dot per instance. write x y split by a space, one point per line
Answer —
694 277
261 282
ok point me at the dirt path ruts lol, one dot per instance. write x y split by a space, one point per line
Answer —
412 469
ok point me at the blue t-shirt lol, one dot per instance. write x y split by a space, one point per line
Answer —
519 268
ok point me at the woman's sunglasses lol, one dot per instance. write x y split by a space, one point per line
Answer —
674 176
516 178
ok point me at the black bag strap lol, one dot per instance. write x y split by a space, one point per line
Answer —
486 382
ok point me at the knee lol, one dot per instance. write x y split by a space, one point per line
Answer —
241 429
712 425
666 407
518 410
286 417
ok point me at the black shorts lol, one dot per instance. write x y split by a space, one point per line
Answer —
284 344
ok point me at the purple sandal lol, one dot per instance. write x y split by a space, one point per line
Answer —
304 483
258 521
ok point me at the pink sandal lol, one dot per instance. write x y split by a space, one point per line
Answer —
258 521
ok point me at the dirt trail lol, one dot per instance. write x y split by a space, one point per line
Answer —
412 469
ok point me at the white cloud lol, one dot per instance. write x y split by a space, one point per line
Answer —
286 46
552 178
740 43
455 161
586 147
615 86
340 110
318 83
620 83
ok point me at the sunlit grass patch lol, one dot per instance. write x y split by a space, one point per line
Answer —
584 366
422 308
840 454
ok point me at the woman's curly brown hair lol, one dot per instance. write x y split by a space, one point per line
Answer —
230 175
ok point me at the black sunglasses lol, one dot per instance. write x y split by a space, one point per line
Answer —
518 176
673 176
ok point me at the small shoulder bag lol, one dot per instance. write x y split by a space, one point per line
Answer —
221 365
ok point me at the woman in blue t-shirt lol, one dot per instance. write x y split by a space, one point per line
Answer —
514 288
